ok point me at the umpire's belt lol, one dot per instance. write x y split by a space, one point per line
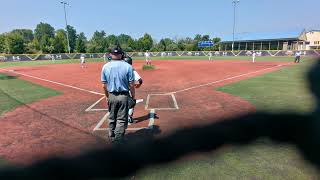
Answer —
119 93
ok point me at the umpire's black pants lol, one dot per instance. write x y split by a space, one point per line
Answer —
118 117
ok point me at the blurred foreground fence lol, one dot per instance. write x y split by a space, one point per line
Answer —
302 130
33 57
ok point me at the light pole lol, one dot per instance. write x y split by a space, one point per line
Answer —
65 17
234 2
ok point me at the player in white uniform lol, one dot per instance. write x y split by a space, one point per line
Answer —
52 58
210 56
253 56
148 59
83 62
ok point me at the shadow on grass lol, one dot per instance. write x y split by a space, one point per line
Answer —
5 77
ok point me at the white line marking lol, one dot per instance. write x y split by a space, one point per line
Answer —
139 101
97 110
147 103
215 82
128 129
151 119
174 101
61 84
176 107
94 104
105 117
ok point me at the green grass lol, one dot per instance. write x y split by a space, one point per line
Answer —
39 63
264 58
148 67
286 89
15 92
278 91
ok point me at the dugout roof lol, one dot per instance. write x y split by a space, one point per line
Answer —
259 36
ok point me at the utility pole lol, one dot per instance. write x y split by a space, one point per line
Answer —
65 17
234 2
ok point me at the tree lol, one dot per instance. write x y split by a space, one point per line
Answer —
27 34
145 43
14 43
2 43
72 33
173 47
60 42
112 40
81 43
216 41
97 43
125 42
197 37
132 45
205 38
164 44
28 37
43 33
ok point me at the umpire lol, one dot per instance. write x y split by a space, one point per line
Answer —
118 79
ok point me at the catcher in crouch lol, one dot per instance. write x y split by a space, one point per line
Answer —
138 82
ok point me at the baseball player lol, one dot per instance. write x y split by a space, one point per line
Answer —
253 56
210 56
148 59
52 58
138 82
297 57
83 62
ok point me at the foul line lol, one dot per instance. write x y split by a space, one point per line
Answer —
94 104
54 82
215 82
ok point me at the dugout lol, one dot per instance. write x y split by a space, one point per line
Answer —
295 40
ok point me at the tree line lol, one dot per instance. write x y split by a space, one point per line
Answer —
45 39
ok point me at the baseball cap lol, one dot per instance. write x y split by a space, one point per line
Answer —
116 50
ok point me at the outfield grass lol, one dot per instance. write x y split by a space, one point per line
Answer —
39 63
286 89
74 61
15 92
283 90
263 58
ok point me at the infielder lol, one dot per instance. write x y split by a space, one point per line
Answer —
52 58
253 56
148 59
83 62
210 56
297 57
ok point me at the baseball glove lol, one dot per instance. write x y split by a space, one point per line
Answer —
132 102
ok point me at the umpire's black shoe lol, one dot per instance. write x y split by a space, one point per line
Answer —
130 120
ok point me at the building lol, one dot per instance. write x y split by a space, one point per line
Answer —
305 40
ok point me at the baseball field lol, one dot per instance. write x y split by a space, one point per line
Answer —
58 109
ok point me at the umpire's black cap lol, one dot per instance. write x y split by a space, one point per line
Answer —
116 50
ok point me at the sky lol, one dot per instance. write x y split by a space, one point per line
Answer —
163 18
